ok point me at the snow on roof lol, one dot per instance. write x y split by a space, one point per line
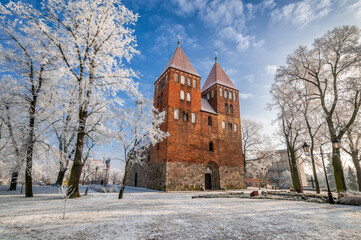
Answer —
217 75
206 107
180 61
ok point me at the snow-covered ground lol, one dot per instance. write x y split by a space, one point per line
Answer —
146 214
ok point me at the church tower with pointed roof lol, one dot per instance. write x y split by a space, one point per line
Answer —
204 148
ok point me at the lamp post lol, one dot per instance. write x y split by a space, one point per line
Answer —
336 145
96 171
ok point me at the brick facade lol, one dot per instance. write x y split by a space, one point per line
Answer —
198 154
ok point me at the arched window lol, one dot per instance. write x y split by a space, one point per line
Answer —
183 80
188 97
225 93
166 79
193 118
182 95
221 92
208 96
158 101
161 98
162 82
185 116
223 125
212 94
194 83
226 107
176 77
211 147
230 126
230 95
231 107
176 114
234 96
210 121
189 82
235 127
156 88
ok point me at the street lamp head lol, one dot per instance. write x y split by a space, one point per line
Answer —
336 143
306 147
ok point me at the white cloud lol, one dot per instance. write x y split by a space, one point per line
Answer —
301 13
271 69
245 96
249 78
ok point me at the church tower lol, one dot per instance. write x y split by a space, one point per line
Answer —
204 147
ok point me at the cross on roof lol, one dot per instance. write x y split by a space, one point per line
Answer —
216 53
179 38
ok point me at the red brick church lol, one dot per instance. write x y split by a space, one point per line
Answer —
204 148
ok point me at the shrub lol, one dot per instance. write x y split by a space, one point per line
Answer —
104 189
351 198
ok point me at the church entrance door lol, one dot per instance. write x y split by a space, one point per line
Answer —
208 181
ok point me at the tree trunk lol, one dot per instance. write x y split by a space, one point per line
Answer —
338 171
76 169
14 181
315 172
294 171
121 191
29 154
356 162
61 174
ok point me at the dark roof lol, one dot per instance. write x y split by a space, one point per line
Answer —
206 107
217 75
180 61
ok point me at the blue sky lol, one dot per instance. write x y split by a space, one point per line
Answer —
252 38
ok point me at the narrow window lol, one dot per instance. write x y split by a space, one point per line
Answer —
189 82
234 96
166 79
185 116
225 93
156 88
161 98
221 92
193 118
208 96
235 127
157 146
230 126
188 97
226 107
231 107
182 95
162 82
194 83
230 95
176 77
223 125
183 80
176 114
210 121
211 147
212 94
158 102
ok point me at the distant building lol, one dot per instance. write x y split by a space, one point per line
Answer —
272 175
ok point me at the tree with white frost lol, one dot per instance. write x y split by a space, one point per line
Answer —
332 67
136 128
93 39
28 57
253 142
115 175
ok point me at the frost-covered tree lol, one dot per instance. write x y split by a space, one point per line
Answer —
253 142
285 179
331 68
28 58
115 175
93 39
351 179
289 120
136 128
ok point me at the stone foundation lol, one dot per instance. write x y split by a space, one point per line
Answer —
179 176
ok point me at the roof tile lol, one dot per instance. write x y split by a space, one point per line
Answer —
217 75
